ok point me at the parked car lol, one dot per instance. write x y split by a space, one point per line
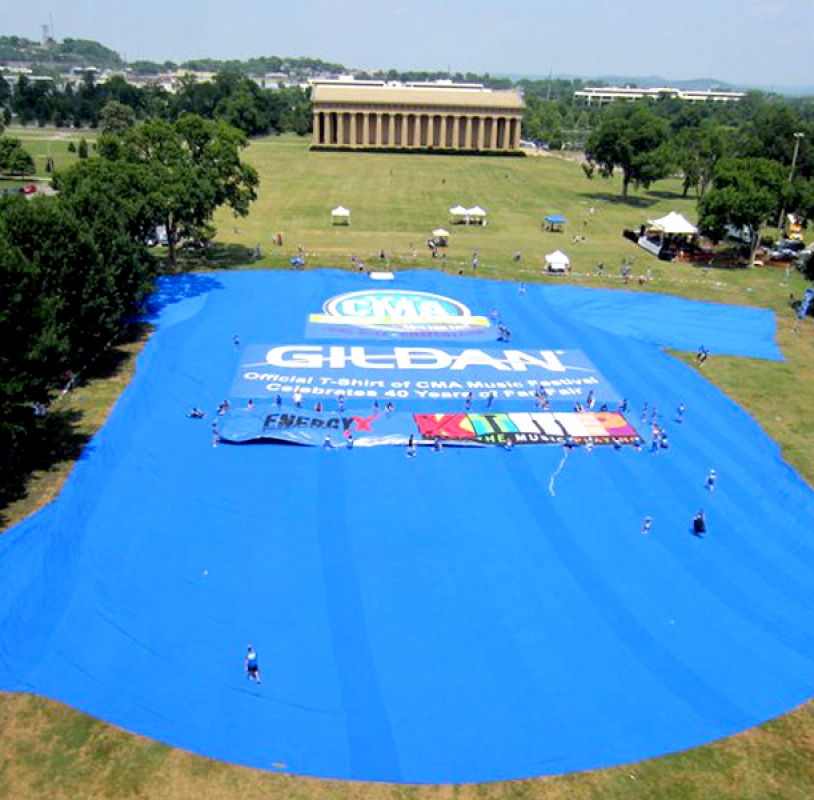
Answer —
786 250
796 245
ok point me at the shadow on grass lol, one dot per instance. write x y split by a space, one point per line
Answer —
665 195
58 437
216 256
617 199
49 441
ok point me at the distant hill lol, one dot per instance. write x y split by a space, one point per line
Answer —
58 55
54 57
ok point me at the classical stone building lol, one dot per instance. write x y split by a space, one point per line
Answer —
416 116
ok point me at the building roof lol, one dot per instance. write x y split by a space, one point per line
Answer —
443 96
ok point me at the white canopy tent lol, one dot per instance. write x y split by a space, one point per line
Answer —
673 224
457 214
440 237
557 262
340 216
477 215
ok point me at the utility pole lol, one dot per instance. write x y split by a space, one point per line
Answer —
798 136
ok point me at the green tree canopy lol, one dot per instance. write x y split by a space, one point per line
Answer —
696 151
116 117
746 192
632 138
188 169
14 158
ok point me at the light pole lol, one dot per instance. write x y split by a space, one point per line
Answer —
797 137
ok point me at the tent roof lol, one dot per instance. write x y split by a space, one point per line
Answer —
440 232
557 219
458 210
673 223
341 211
476 211
557 257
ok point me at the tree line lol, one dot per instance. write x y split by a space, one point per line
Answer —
746 163
230 96
74 267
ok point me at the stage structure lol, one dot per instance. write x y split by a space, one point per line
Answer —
416 116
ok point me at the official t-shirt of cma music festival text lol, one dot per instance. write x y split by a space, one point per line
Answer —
404 372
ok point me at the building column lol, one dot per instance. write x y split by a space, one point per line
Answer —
442 135
315 128
340 128
365 129
456 132
493 135
391 130
468 133
517 131
353 129
481 134
377 121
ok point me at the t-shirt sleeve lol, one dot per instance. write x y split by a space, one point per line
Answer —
673 322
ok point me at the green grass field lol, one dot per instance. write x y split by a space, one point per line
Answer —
53 142
48 750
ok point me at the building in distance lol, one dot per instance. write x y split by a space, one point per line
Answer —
607 94
446 116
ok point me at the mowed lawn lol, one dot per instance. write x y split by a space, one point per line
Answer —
48 750
397 200
43 143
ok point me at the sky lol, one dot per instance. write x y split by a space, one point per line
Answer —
754 42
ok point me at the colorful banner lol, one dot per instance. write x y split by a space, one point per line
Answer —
398 313
293 425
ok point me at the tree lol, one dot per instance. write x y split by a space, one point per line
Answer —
542 121
296 113
82 150
98 186
14 159
32 346
193 167
243 111
746 192
632 138
116 117
697 150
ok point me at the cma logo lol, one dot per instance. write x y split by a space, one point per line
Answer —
397 308
336 357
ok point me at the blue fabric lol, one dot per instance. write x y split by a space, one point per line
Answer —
470 615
